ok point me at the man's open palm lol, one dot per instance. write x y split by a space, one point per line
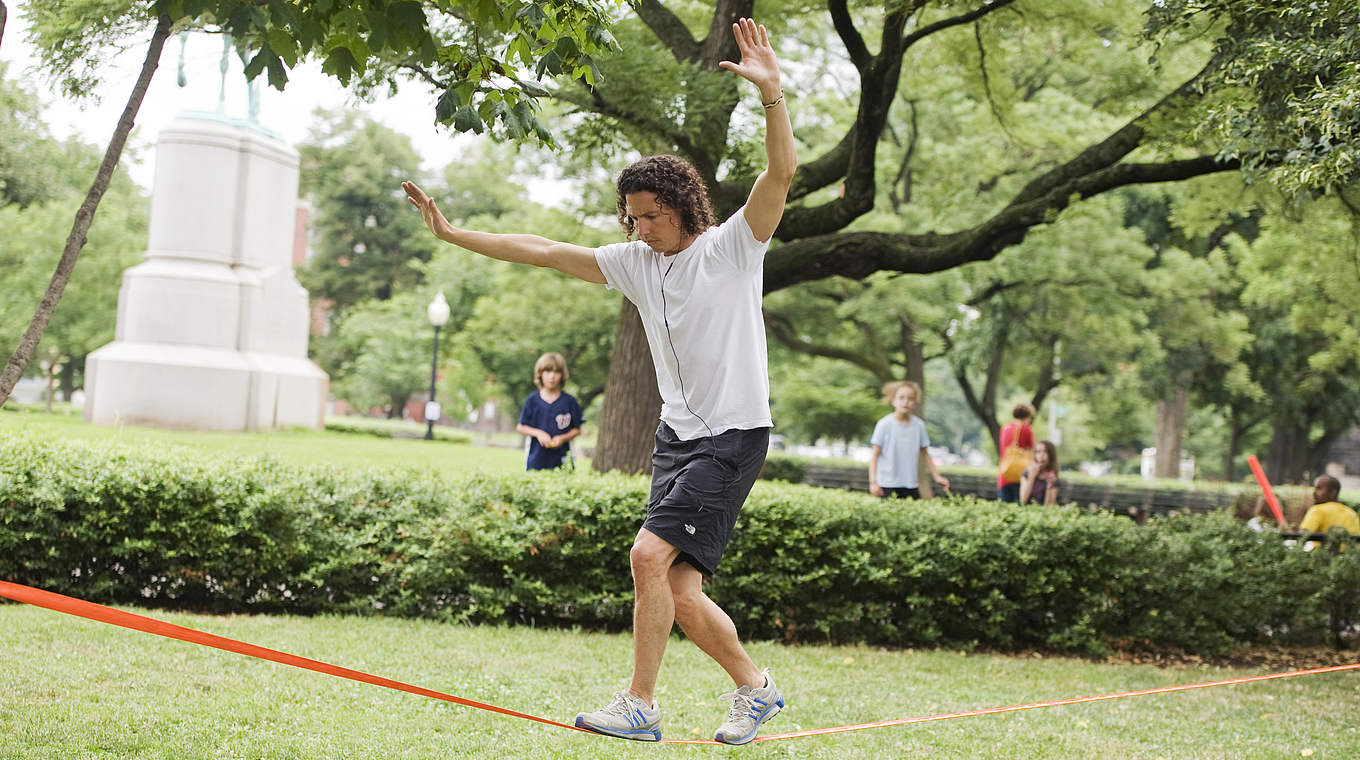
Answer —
758 62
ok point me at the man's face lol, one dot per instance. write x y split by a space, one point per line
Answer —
656 225
1322 491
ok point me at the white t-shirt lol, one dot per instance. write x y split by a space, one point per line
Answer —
701 311
901 443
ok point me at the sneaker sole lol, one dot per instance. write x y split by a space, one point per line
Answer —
637 735
770 713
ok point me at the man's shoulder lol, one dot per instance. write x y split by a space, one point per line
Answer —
732 231
621 249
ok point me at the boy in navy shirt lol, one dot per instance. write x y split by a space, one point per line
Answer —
550 417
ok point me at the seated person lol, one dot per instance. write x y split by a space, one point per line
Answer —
1039 482
1326 512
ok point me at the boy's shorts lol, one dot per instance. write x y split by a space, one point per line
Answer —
699 486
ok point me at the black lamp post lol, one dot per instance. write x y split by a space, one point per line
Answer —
438 312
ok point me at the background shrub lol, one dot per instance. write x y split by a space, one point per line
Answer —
165 526
387 428
786 469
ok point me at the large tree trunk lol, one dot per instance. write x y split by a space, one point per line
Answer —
3 16
1287 455
631 400
914 355
75 241
1170 433
68 376
1234 443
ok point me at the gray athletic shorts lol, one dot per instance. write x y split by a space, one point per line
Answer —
699 486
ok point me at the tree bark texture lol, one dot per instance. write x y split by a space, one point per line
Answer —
632 402
69 369
1170 432
1287 454
75 241
1234 443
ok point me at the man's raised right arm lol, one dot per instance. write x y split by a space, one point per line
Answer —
575 260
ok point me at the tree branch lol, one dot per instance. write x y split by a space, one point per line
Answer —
850 37
966 18
859 254
3 16
987 82
823 171
669 29
1113 148
903 177
720 44
985 407
782 328
1048 379
878 86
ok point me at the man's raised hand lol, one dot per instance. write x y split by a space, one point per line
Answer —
758 62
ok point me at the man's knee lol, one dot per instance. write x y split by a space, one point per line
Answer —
651 556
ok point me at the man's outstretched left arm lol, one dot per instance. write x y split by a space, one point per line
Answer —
765 206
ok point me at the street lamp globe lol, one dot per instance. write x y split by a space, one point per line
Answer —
438 312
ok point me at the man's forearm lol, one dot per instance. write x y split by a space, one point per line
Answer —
781 153
515 248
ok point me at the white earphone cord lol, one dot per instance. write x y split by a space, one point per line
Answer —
661 288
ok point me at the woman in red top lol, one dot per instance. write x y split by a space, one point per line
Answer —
1018 433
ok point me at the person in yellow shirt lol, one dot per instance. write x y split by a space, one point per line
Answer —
1326 512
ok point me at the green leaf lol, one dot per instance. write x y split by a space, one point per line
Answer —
407 17
566 48
339 64
278 75
284 45
309 34
448 102
550 63
378 30
257 63
465 119
532 16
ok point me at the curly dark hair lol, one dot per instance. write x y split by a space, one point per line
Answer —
676 185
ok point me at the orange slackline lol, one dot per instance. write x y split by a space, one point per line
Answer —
102 614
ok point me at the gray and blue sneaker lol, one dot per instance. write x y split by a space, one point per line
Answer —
627 717
750 708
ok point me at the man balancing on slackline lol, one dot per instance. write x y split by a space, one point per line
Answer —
698 289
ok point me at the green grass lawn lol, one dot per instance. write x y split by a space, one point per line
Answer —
295 445
78 689
71 688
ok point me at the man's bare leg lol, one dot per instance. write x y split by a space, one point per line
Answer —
653 610
711 629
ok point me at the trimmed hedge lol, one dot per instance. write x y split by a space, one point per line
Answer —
385 428
173 527
1128 495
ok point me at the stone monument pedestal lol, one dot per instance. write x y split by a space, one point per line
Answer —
212 327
